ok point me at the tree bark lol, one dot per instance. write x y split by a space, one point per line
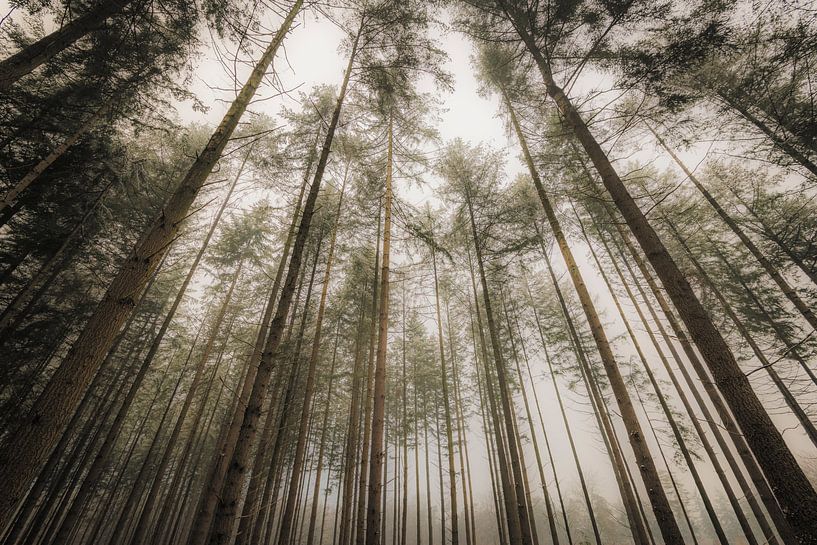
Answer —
376 458
227 512
449 435
25 61
792 488
649 473
32 442
300 446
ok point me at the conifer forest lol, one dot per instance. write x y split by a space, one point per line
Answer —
408 272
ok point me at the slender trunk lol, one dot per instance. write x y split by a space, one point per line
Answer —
10 319
376 458
29 446
449 435
143 525
258 514
554 534
795 493
440 476
808 425
32 175
733 500
418 538
676 431
462 442
321 448
215 479
506 479
771 270
504 393
495 487
347 475
25 61
148 459
658 499
404 426
227 512
729 426
638 526
300 446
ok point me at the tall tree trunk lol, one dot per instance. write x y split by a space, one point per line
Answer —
676 431
554 534
506 479
143 526
462 441
31 443
770 234
227 512
795 493
366 415
504 393
215 479
300 446
639 526
728 423
771 270
404 427
321 449
32 175
376 458
350 450
731 496
449 435
658 498
266 470
25 61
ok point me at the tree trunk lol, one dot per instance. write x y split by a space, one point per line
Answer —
352 437
639 526
770 269
300 446
462 441
769 233
728 423
321 448
795 493
376 458
554 534
31 443
227 514
25 61
508 487
658 498
449 435
791 402
215 479
676 431
733 500
504 393
32 175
